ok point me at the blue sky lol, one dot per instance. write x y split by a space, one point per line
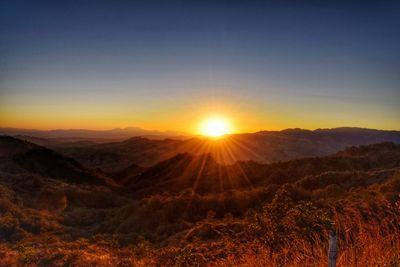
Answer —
159 64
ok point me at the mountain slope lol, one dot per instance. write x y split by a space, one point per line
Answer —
263 147
203 175
20 156
191 210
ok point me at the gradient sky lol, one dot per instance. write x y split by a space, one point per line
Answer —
169 64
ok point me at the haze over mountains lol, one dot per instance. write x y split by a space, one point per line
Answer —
94 135
263 147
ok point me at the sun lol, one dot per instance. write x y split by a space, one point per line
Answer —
215 127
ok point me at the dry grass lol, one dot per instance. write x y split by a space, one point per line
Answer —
373 243
365 239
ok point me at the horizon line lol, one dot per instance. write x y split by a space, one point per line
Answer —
192 134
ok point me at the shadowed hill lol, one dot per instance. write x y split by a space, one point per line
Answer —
200 174
203 175
10 146
17 154
263 147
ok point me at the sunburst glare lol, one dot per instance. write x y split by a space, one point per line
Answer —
215 126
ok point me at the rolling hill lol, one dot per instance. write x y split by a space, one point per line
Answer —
20 156
190 209
263 147
204 175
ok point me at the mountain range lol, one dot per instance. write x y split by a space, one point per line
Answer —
94 135
262 147
192 207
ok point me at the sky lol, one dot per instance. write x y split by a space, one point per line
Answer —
168 65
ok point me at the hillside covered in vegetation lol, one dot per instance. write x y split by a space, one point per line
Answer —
190 210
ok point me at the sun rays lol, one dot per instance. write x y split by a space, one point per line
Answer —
219 161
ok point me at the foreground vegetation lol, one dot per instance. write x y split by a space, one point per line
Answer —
284 233
50 222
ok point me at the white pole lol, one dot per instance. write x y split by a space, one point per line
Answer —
332 252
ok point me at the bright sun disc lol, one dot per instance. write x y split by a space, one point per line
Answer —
215 127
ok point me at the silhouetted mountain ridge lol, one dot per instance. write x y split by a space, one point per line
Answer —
117 133
45 162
